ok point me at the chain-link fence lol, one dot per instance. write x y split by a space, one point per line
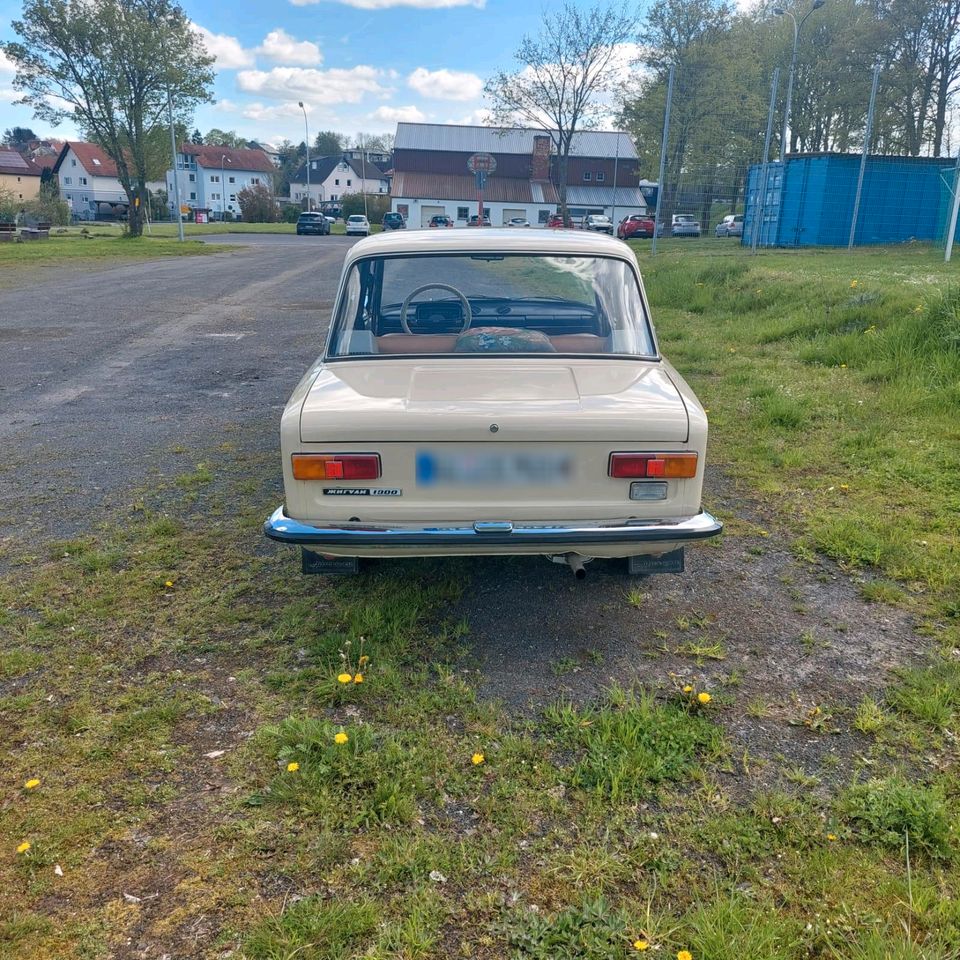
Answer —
739 174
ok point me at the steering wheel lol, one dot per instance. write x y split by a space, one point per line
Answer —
467 312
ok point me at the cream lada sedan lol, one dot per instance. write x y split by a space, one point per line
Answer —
496 392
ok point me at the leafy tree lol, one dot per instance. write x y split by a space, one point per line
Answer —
564 71
16 138
377 204
48 207
110 65
328 143
258 205
196 137
224 138
10 205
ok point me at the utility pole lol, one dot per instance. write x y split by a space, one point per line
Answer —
797 27
176 176
306 140
663 159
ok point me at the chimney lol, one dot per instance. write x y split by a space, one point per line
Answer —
540 165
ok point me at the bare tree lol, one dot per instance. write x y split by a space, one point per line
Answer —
110 65
566 69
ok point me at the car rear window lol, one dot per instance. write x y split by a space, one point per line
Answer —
489 303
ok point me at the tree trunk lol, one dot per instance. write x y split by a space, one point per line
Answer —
562 167
134 212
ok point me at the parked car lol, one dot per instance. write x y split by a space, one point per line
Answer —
556 222
440 221
358 224
509 406
684 225
730 226
635 226
394 221
310 222
518 222
474 221
598 223
329 219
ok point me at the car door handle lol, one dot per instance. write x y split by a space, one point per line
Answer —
493 526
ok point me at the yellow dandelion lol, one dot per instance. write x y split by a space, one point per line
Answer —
704 697
844 486
641 945
843 366
688 689
831 837
363 661
293 766
684 955
854 284
358 678
24 847
345 678
477 759
31 784
918 308
341 738
169 583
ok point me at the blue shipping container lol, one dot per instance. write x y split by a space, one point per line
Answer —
809 200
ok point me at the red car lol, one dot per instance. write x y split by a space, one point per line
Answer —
556 223
635 226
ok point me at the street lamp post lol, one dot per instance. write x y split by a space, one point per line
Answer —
306 140
223 187
797 27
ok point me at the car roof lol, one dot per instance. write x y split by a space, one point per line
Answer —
430 242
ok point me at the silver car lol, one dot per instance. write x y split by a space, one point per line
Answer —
730 226
684 225
358 224
599 223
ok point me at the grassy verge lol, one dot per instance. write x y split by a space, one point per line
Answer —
76 247
213 777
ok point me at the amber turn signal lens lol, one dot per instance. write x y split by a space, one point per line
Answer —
336 466
638 466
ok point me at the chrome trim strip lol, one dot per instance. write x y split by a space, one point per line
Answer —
280 527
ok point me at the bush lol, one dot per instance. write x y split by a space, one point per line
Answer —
9 205
376 206
48 209
257 205
887 810
290 213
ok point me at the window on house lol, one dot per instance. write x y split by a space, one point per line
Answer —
68 180
82 181
233 180
193 177
333 196
601 176
255 181
215 178
587 175
337 182
73 163
349 183
96 162
193 196
214 196
543 216
233 198
463 213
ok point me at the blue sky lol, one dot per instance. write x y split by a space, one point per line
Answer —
356 64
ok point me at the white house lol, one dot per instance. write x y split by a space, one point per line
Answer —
211 177
88 182
333 177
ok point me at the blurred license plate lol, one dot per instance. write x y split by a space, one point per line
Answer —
493 469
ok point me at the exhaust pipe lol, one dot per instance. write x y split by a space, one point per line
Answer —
575 562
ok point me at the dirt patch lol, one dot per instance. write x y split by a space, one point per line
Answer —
786 648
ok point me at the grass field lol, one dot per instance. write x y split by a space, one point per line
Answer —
213 777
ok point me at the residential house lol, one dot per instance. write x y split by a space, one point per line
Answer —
331 178
431 177
89 183
211 177
272 153
19 176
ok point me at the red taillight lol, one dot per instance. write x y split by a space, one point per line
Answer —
336 466
637 466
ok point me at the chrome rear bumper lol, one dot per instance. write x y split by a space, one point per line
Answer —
474 537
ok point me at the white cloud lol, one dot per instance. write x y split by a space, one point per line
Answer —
315 86
278 45
260 111
409 114
476 118
445 84
385 4
6 64
9 95
228 51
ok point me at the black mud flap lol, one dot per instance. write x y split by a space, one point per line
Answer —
671 562
312 562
